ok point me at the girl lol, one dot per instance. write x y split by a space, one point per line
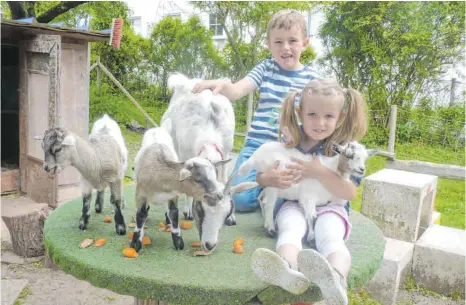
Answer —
328 113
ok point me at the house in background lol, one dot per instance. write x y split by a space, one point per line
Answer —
144 17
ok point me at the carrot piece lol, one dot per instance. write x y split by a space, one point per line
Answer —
186 225
86 243
130 252
238 249
100 242
196 244
108 219
239 241
162 224
146 240
130 235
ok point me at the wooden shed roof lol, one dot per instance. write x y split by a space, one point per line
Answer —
30 26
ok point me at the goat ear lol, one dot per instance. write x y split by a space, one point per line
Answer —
337 148
40 138
222 162
69 141
185 174
372 152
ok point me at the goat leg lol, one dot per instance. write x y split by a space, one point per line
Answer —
87 197
141 216
115 199
176 231
99 201
188 208
310 214
267 200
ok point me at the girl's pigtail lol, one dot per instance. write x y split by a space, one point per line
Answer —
355 122
289 127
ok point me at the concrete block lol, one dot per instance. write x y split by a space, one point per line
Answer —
396 264
438 261
400 203
11 290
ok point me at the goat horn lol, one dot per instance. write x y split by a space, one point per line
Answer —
226 191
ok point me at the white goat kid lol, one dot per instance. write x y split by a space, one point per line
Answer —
202 124
102 162
161 177
349 160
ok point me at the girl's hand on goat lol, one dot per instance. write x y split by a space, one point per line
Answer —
306 169
215 85
274 177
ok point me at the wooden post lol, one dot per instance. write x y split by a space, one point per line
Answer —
113 79
250 103
391 139
98 77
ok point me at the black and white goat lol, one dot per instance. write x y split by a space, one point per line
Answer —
161 177
201 124
349 161
102 162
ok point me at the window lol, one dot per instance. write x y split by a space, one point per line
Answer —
215 25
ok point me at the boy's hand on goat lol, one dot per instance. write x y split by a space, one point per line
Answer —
215 85
275 177
306 169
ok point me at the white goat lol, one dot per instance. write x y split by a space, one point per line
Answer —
161 177
102 162
349 160
202 124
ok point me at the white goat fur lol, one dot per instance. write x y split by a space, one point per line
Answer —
198 123
310 192
161 177
102 160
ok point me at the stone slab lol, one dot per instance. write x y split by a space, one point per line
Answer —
11 290
396 264
400 203
439 260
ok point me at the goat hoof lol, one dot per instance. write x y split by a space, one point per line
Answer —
136 244
178 242
271 232
188 216
230 221
120 229
82 225
98 209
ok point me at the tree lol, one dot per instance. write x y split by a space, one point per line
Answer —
26 9
242 19
183 46
392 51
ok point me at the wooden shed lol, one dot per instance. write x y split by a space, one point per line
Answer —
45 82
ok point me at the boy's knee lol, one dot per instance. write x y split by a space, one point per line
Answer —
246 201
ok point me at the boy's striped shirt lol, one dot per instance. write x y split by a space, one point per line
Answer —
274 83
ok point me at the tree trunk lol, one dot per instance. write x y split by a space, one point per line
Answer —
26 230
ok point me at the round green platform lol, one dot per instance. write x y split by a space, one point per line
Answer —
161 273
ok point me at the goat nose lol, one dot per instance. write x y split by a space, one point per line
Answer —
219 196
362 169
209 246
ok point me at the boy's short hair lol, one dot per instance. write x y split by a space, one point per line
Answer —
287 19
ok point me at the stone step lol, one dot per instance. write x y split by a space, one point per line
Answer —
438 261
396 264
11 290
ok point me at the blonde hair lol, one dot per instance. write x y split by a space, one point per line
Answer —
351 127
287 19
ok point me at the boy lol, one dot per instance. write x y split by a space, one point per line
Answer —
286 39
